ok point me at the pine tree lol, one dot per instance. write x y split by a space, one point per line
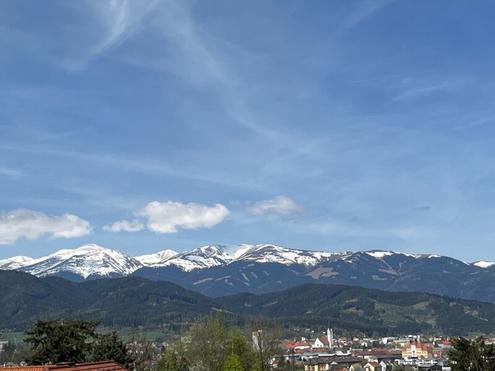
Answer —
475 355
110 347
74 341
60 341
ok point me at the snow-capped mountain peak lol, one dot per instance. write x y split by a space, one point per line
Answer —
212 251
483 264
379 254
89 249
157 259
202 257
241 249
16 262
268 253
85 261
90 261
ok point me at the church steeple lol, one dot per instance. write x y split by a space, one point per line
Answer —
330 338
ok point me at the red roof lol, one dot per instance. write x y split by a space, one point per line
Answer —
422 346
296 344
324 340
95 366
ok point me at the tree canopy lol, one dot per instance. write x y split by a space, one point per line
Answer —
211 345
74 341
471 355
60 341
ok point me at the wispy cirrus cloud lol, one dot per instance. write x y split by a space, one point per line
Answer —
31 224
412 89
365 11
422 208
132 164
278 205
118 20
10 172
203 60
121 18
125 226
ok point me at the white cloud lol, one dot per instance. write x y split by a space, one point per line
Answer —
168 217
125 226
25 223
277 205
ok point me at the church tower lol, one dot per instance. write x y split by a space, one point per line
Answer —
330 338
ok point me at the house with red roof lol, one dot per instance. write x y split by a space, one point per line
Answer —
94 366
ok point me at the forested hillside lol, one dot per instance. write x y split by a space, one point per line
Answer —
134 301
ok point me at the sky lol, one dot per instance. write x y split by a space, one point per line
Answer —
331 125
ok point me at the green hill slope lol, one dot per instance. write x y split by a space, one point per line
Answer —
367 309
134 301
117 302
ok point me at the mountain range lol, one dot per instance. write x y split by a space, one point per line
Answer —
216 270
134 301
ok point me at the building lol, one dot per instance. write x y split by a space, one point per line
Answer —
416 349
332 363
375 366
94 366
298 346
370 366
3 345
320 343
324 342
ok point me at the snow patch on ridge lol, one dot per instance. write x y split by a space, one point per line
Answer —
200 258
16 262
157 259
483 264
267 253
379 254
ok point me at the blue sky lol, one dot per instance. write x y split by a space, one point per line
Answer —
334 125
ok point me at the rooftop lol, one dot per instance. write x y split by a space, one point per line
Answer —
94 366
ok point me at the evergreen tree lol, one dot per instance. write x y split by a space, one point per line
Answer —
109 347
475 355
74 341
60 341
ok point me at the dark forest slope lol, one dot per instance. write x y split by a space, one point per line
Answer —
134 301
